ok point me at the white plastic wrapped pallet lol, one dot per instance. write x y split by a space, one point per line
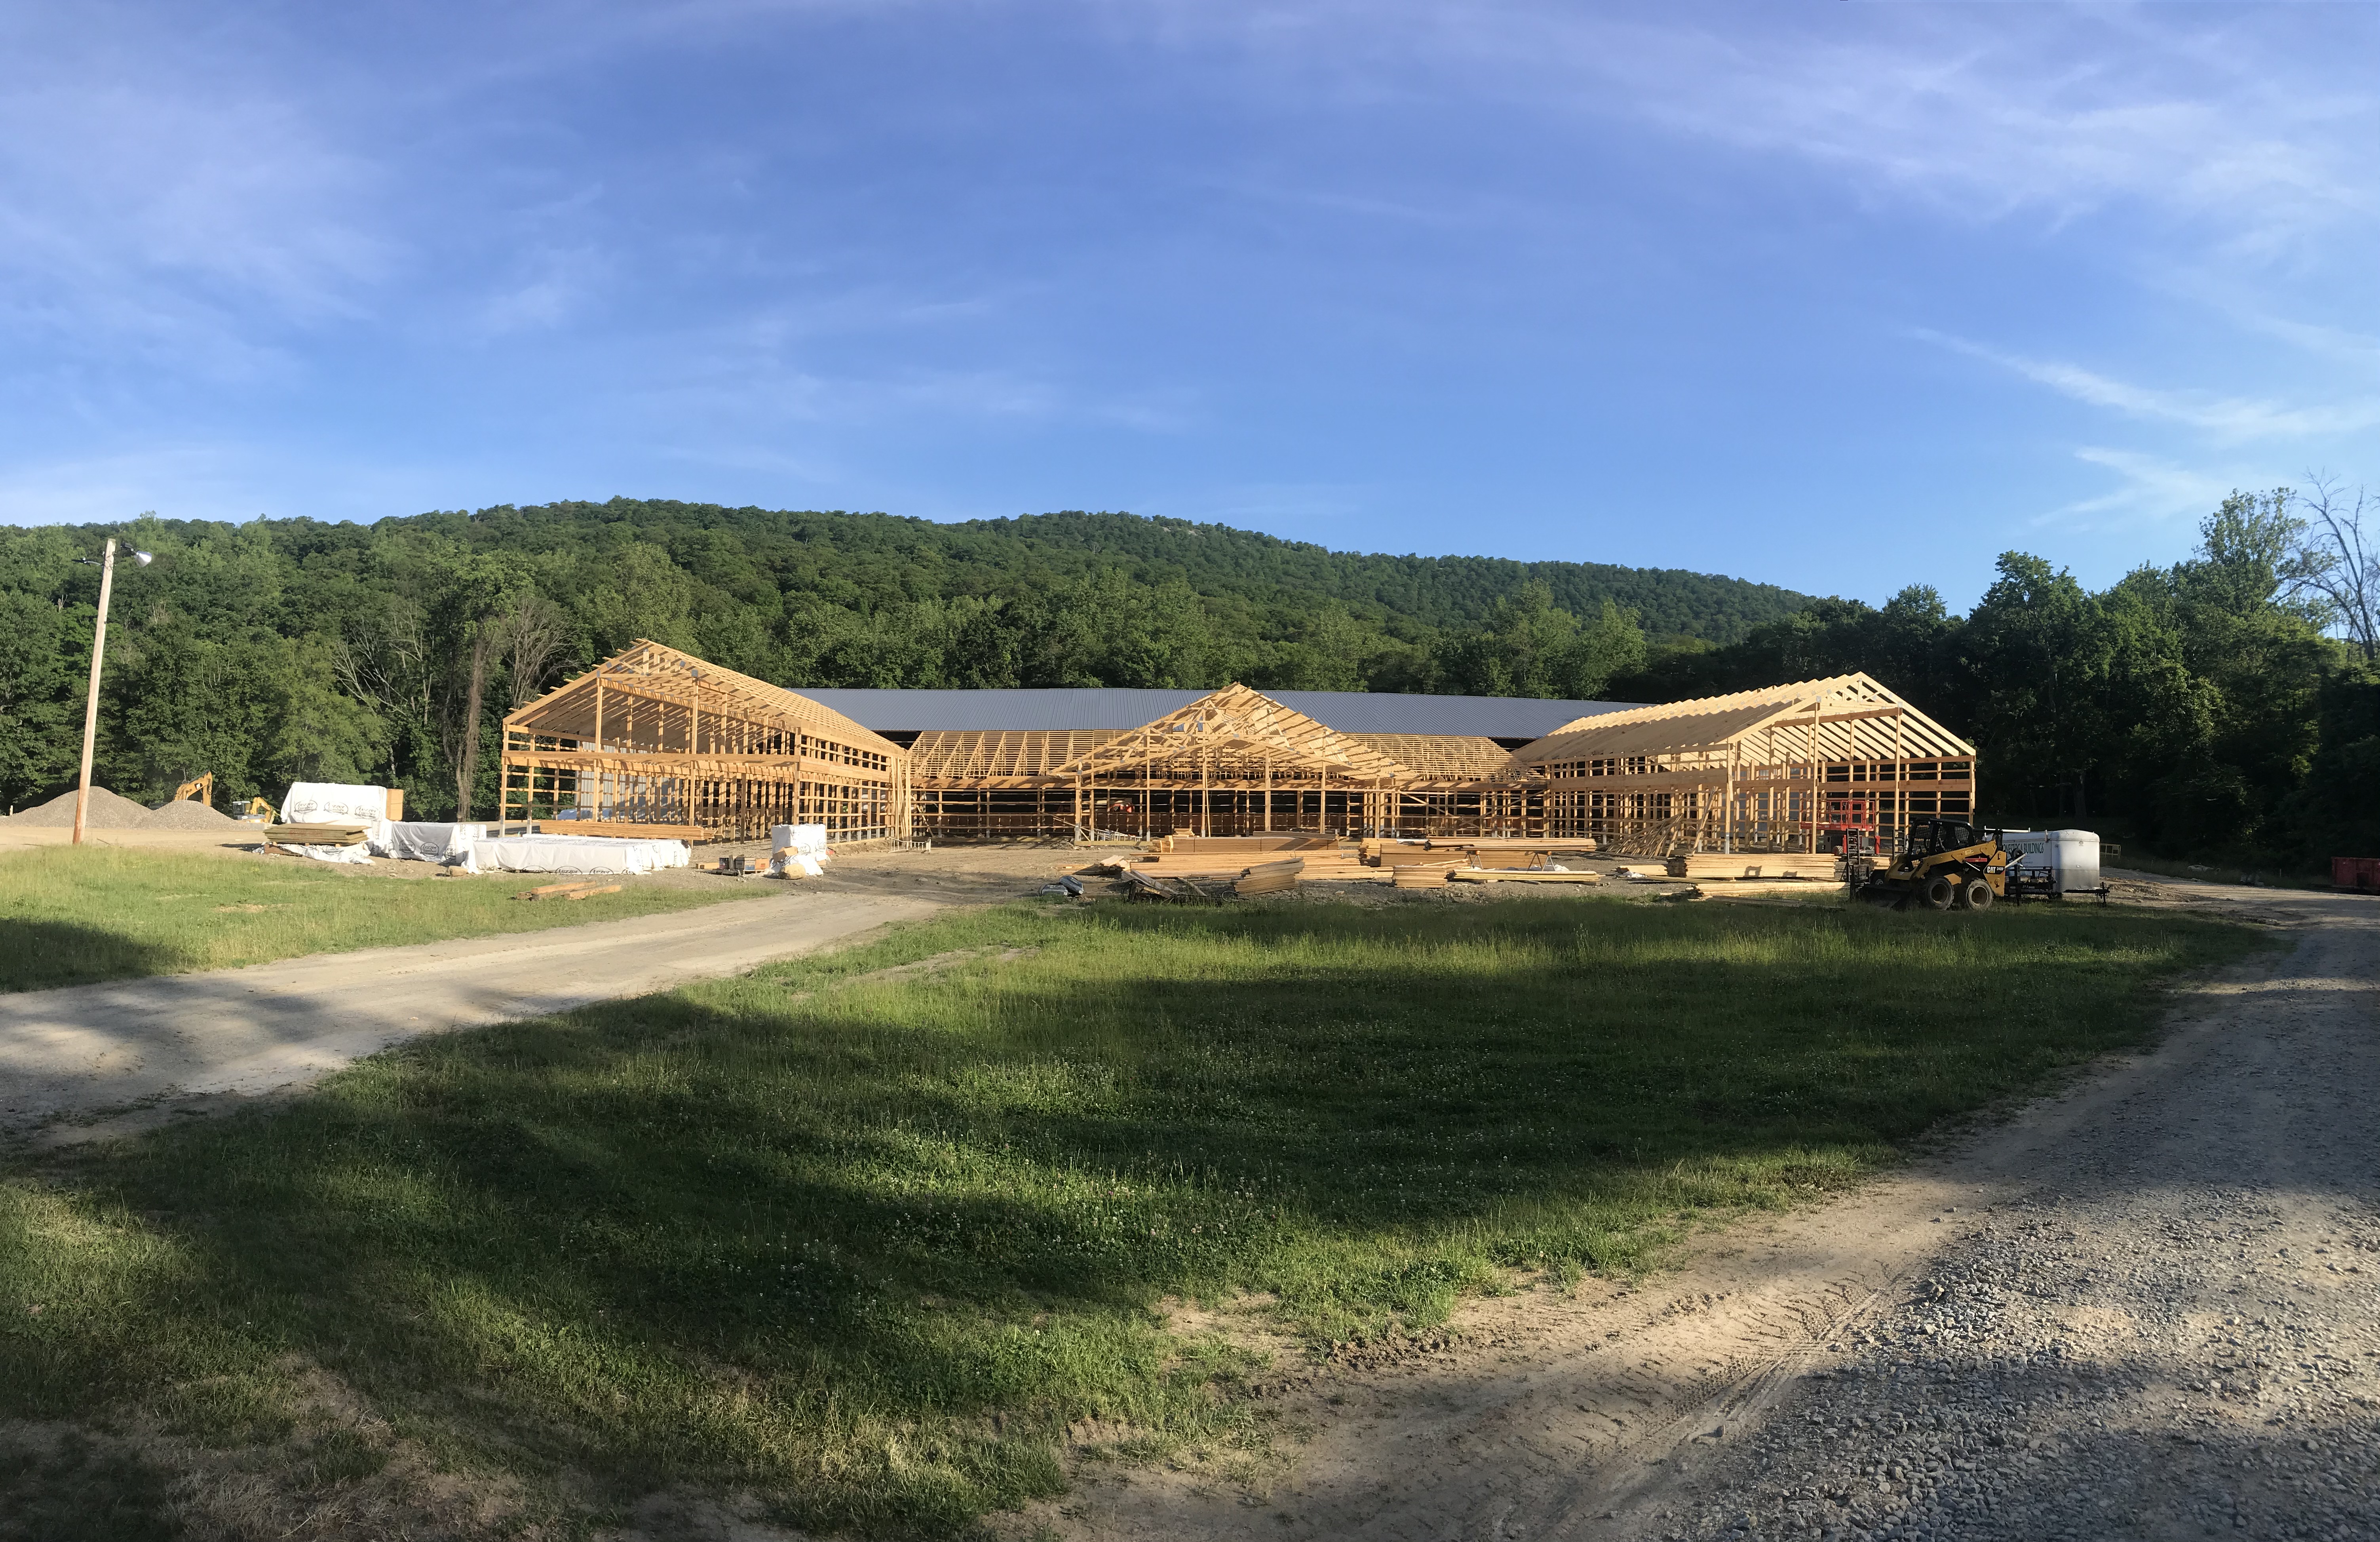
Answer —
337 803
590 854
425 840
798 848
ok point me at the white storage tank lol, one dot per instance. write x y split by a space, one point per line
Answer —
2072 856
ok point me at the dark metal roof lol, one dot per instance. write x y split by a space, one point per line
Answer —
1347 711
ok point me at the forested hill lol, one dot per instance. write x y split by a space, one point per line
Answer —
287 650
1436 591
872 559
2195 708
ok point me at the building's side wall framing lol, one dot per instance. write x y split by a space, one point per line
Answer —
660 742
1803 767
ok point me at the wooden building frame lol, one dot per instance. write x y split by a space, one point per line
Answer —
1233 762
1807 766
658 742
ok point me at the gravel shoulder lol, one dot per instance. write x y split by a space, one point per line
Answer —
181 1043
2145 1308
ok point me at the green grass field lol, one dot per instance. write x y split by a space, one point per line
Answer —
70 917
866 1247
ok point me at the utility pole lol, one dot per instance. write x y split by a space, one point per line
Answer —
90 704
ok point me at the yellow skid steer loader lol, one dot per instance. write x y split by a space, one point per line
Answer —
1946 864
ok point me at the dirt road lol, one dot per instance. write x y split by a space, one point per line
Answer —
240 1031
2146 1309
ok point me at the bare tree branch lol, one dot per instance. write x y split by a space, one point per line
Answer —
2337 564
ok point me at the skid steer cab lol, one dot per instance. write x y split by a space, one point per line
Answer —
1944 864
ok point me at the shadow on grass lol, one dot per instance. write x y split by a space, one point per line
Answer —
47 955
70 1489
871 1250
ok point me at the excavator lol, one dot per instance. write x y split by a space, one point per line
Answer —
203 789
1947 864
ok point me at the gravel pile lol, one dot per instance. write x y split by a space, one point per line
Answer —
106 812
188 815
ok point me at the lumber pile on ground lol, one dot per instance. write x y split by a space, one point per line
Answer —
1753 888
1272 878
1483 846
315 835
1521 875
575 888
1151 885
1395 857
1252 843
1414 875
1228 857
1722 866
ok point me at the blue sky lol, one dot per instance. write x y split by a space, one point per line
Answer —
1833 294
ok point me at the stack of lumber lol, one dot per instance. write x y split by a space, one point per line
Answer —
1227 857
1486 846
315 835
1723 866
577 888
1272 878
1287 842
1414 875
1521 875
1150 885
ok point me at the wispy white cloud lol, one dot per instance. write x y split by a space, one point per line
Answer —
1983 112
173 205
2228 418
557 286
2150 491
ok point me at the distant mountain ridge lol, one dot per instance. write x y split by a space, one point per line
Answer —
1437 590
983 556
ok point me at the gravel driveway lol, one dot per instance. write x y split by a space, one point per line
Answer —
2166 1327
168 1043
2143 1310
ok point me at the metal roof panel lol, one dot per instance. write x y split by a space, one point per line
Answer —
1352 711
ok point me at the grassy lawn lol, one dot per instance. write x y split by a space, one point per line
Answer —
865 1247
71 917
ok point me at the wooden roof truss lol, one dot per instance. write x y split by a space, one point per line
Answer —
1236 735
655 700
1843 719
998 757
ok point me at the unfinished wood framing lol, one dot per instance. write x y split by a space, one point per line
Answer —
653 737
1234 762
1817 765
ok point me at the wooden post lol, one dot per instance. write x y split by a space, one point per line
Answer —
1267 817
91 702
1817 774
1900 787
1322 802
1726 814
599 747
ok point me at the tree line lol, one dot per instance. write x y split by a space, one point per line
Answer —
295 650
2225 704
